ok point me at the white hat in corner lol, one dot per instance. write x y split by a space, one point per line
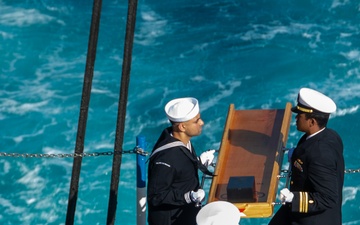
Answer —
311 101
182 109
219 213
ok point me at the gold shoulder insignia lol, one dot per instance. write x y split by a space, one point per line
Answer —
298 166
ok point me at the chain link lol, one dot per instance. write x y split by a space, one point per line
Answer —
136 150
352 170
277 203
345 171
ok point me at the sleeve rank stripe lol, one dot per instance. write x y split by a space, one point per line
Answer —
304 200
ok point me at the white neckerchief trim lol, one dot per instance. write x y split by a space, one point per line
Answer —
167 146
189 146
310 136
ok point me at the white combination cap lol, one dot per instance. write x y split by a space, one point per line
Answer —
311 101
219 213
182 109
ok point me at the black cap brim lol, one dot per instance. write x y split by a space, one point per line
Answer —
296 110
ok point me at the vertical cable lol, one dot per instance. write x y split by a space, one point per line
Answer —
125 79
85 99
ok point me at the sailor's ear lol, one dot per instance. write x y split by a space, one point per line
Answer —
182 126
179 126
313 121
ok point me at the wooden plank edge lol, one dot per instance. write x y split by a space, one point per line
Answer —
221 155
285 127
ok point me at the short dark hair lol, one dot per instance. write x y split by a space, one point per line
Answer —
320 118
173 123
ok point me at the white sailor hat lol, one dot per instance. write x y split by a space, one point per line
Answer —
219 213
182 109
311 101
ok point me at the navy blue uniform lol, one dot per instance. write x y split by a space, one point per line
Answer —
316 181
171 173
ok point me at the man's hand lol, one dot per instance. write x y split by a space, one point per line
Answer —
195 196
207 157
286 195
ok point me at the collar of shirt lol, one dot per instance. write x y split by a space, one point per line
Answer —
188 145
310 136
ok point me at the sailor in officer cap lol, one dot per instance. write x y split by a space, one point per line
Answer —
312 101
314 195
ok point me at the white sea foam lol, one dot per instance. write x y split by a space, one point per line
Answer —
31 177
312 32
153 27
346 111
10 106
349 194
22 17
5 166
99 91
339 3
6 35
353 55
355 222
49 215
51 150
223 90
20 138
11 209
268 32
264 32
33 194
11 65
56 66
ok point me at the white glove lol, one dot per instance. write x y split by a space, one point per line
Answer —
286 195
194 196
207 157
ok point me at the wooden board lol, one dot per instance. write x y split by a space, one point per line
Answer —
252 145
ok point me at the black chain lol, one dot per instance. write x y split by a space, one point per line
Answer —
352 170
136 150
345 171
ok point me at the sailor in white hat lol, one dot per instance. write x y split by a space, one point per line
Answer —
174 191
316 165
182 109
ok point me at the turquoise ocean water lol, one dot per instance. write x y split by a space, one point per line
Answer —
254 54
